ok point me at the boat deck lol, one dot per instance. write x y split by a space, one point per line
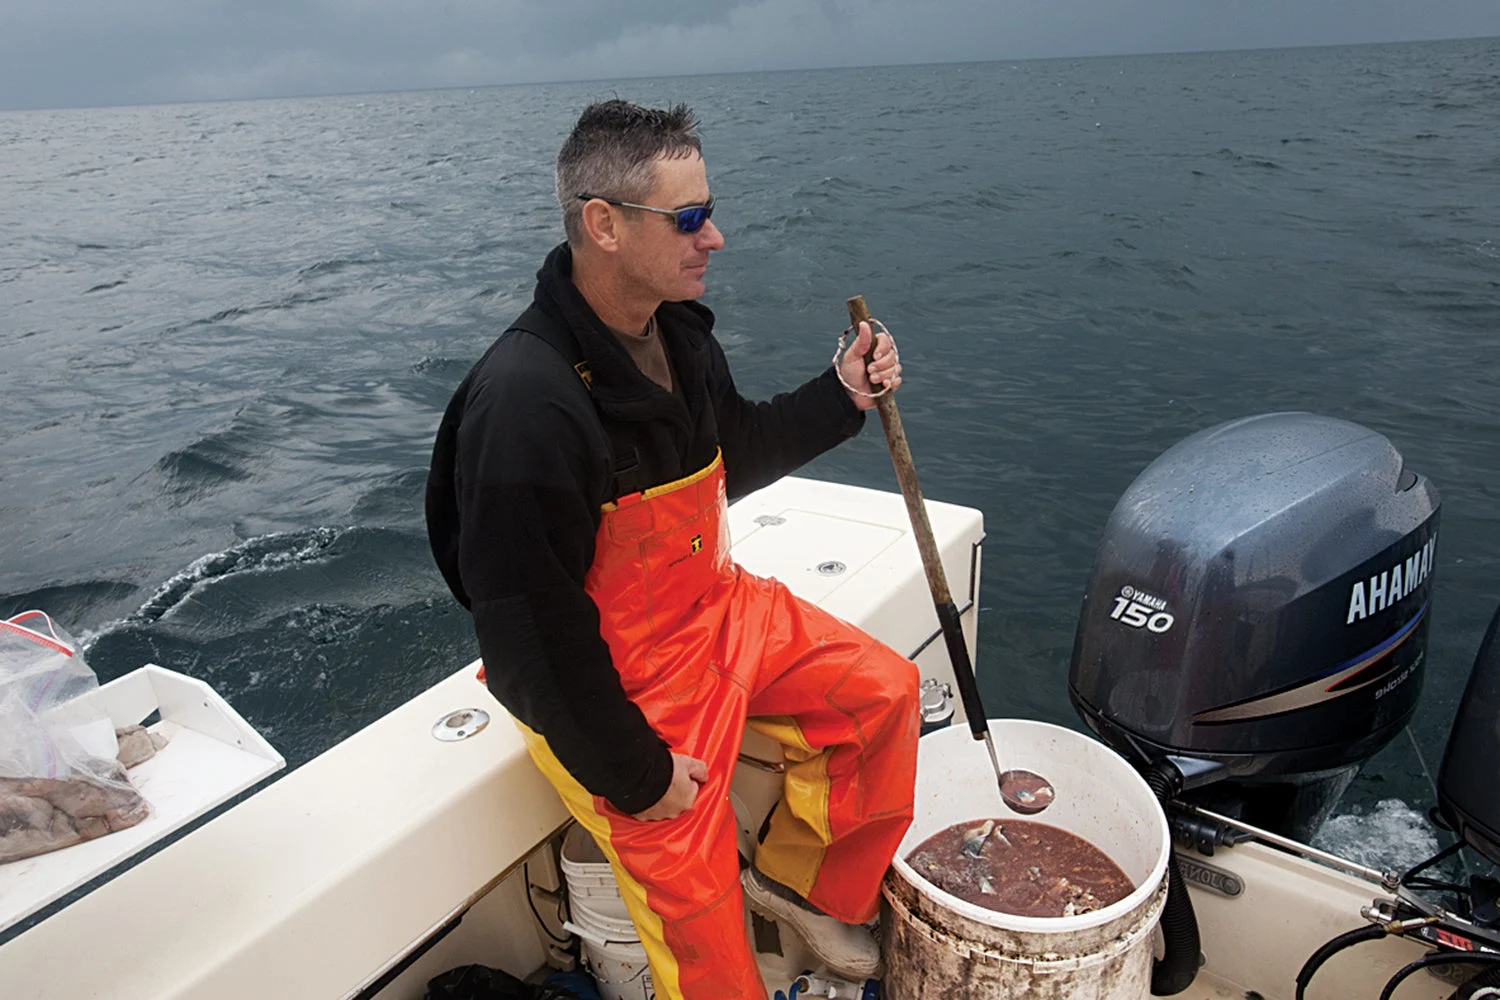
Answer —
1419 987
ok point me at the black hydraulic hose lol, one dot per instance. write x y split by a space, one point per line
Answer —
1411 880
1346 940
1486 977
1440 958
1349 939
1176 969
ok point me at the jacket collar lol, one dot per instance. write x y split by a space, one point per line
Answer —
618 386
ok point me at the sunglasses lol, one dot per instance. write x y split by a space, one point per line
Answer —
687 220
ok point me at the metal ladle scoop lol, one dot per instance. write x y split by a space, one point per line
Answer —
1024 792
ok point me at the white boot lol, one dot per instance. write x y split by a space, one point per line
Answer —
847 949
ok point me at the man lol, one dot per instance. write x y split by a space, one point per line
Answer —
576 506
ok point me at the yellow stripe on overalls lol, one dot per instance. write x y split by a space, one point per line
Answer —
800 834
581 804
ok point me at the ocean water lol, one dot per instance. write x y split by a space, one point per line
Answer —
231 329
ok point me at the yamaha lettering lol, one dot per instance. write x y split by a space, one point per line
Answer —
1139 609
1392 586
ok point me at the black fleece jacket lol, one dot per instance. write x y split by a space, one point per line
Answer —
525 457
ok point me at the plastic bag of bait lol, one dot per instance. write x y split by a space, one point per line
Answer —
60 781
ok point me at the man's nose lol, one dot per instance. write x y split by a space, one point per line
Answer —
709 237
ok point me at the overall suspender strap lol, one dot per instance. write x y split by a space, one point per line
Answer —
624 461
557 336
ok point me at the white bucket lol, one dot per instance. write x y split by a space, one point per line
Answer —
621 971
614 954
612 948
618 966
939 945
591 881
602 923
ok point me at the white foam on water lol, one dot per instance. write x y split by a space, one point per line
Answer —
257 554
1393 835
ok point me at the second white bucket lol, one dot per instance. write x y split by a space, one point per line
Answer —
937 945
617 962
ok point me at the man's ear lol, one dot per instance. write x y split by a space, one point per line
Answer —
601 222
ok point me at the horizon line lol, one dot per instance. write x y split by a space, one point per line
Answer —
311 96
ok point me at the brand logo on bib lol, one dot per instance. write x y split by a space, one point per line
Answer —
696 544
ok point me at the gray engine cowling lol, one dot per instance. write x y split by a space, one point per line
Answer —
1258 610
1466 782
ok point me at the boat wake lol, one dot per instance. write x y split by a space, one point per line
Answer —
262 552
1390 836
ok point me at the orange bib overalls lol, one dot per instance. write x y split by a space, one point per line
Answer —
702 646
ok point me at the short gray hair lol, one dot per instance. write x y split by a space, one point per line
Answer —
609 153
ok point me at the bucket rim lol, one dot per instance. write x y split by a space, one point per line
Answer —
606 923
1140 896
579 837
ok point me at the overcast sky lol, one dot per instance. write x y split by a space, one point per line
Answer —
58 53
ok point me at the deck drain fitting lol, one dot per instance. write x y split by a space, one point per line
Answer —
831 568
460 724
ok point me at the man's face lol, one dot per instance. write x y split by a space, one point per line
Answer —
659 258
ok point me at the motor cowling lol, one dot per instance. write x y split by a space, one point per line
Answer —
1466 782
1258 611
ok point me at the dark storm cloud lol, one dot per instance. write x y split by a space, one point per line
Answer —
67 52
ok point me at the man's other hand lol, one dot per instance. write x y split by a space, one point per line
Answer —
884 370
687 774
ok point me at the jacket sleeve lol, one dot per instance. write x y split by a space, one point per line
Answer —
530 478
764 441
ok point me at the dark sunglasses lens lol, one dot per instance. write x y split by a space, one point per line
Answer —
690 220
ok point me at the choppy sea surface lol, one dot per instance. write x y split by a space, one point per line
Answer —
231 329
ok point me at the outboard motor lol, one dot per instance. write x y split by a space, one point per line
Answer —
1257 614
1466 782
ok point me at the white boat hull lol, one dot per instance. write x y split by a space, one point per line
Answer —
323 884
